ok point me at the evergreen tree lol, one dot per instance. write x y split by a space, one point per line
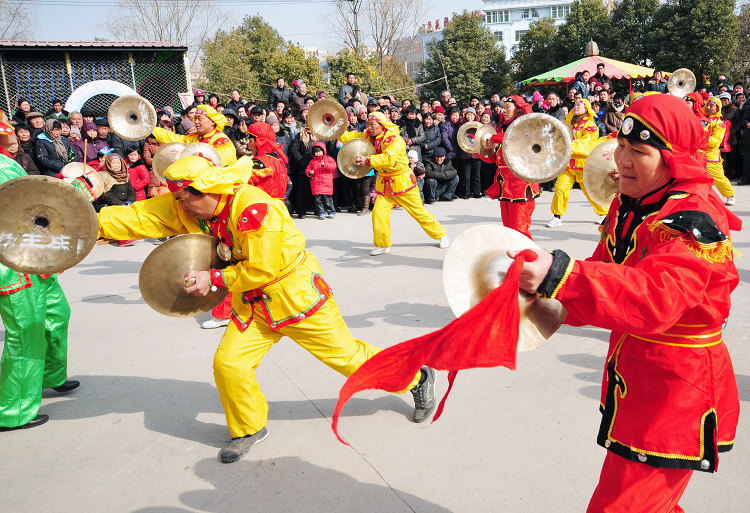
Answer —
588 19
473 62
535 52
632 23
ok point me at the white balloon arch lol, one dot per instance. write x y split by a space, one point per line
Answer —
91 89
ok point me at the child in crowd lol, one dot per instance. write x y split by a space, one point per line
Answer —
139 175
320 170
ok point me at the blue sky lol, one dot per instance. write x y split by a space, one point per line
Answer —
299 21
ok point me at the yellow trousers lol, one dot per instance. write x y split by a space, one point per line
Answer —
563 185
716 170
324 334
411 201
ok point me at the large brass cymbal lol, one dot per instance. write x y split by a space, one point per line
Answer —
132 117
327 120
473 137
477 263
165 156
681 83
162 276
600 187
73 170
537 147
46 225
349 152
199 149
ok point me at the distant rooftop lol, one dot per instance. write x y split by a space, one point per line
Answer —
115 45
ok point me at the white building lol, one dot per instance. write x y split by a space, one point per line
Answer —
510 19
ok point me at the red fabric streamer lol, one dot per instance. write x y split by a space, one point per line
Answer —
485 336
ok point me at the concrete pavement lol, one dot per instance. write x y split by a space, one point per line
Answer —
142 433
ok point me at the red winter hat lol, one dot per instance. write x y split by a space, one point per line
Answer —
439 109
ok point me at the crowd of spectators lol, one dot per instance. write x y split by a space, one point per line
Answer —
48 141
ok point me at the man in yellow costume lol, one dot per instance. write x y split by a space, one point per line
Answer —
278 287
581 120
396 183
717 128
209 124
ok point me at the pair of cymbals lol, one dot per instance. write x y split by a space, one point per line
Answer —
346 159
169 153
162 276
537 147
132 117
74 170
596 173
477 263
473 137
327 120
46 225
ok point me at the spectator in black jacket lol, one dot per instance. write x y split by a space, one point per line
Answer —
656 83
280 93
432 138
236 102
347 92
441 178
51 150
555 107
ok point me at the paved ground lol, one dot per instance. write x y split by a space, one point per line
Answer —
142 433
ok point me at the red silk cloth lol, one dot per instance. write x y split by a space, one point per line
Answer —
485 336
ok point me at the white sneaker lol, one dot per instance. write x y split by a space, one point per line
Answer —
213 322
379 251
601 219
730 202
554 222
444 242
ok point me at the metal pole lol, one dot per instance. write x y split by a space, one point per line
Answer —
5 83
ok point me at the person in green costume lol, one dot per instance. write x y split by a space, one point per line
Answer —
35 313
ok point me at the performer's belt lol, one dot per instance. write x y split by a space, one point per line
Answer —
686 335
252 296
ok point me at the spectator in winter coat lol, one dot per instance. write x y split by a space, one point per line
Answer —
320 170
90 143
441 178
412 131
138 174
117 187
280 93
52 150
236 102
449 131
581 83
432 138
23 132
613 113
56 112
347 92
555 107
657 83
24 159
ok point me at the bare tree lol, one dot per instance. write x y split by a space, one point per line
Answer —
185 22
18 20
386 23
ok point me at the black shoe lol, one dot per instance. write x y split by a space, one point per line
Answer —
477 195
68 386
36 421
424 395
429 201
466 196
301 216
743 182
238 447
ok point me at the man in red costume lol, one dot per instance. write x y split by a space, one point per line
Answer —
516 195
660 279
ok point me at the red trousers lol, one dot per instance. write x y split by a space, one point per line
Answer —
223 309
629 487
517 215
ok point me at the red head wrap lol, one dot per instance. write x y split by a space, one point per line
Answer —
520 103
664 120
265 140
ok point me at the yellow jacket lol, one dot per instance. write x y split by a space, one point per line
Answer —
390 161
215 138
718 130
270 273
583 132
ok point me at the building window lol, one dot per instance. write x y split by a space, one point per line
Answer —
520 33
499 36
525 14
500 16
534 13
560 11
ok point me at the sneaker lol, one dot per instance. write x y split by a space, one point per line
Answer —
238 447
600 219
379 251
444 242
424 395
331 215
125 243
554 222
730 202
158 241
213 322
